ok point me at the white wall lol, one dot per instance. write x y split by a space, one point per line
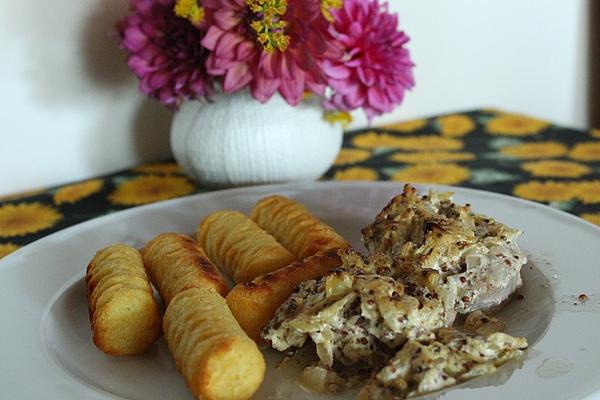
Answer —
70 108
525 56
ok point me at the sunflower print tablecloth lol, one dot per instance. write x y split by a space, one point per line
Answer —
483 149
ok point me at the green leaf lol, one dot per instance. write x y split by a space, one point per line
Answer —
496 156
389 171
563 205
498 143
117 180
487 176
382 150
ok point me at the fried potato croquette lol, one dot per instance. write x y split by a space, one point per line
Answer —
176 262
124 315
240 247
294 227
254 303
214 355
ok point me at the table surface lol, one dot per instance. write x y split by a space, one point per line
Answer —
483 149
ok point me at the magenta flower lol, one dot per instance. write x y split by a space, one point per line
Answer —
270 46
165 52
376 68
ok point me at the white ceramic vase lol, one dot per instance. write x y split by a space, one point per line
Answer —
236 140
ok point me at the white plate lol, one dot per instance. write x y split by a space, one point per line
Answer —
46 349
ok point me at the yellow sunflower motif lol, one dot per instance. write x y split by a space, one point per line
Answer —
408 126
78 191
351 156
373 140
587 191
515 125
593 218
586 151
554 168
151 188
595 133
531 151
455 125
356 174
431 157
447 174
7 248
26 218
545 191
159 168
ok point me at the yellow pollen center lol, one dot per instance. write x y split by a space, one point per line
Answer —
327 5
340 117
268 25
190 10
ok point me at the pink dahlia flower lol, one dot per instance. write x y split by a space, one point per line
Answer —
270 45
165 52
376 68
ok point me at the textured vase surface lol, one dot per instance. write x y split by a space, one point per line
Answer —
236 140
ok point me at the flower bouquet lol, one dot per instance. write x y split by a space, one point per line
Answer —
334 56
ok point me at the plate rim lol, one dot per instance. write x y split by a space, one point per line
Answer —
419 186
